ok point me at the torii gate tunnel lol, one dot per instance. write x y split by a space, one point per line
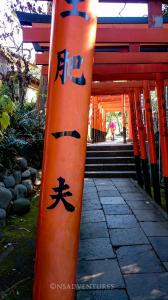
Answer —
109 64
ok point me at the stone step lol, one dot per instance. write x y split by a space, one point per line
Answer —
109 148
110 174
110 160
110 153
110 167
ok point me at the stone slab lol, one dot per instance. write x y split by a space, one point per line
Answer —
112 200
90 196
136 204
127 189
93 230
121 221
91 205
100 272
109 193
147 286
102 295
88 189
166 265
91 249
155 228
149 215
133 196
131 236
116 209
106 188
160 244
138 259
92 216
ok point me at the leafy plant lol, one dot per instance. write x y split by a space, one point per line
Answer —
7 108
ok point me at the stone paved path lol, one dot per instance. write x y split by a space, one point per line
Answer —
123 251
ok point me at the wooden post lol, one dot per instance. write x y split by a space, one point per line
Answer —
143 153
135 139
163 130
151 142
70 74
124 122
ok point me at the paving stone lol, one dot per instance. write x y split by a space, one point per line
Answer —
112 200
131 236
100 272
166 265
136 204
93 230
91 205
116 209
147 286
91 249
160 244
90 196
127 189
102 295
121 221
89 184
106 188
138 259
109 193
155 228
133 196
102 182
89 189
93 216
149 215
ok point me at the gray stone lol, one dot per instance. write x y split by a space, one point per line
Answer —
138 259
21 206
93 230
121 221
90 196
13 192
22 163
2 184
28 184
136 204
88 205
2 217
116 209
26 174
134 196
89 190
21 190
18 176
109 193
99 181
33 172
100 272
127 189
147 286
131 236
5 197
99 248
160 244
93 216
149 215
155 228
9 181
112 200
106 188
102 295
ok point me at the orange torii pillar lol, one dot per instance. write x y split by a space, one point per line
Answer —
92 119
143 152
100 123
163 131
124 121
104 124
151 142
95 126
135 139
70 74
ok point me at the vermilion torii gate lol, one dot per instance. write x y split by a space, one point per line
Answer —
134 51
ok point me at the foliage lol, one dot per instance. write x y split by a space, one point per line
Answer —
24 137
7 108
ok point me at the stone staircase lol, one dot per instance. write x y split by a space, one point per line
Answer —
110 161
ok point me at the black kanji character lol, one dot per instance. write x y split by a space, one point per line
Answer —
74 11
60 195
66 64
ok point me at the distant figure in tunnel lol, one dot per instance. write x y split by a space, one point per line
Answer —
112 129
